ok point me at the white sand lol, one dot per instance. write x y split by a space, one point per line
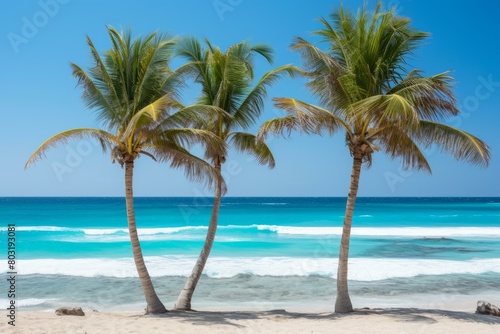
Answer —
279 321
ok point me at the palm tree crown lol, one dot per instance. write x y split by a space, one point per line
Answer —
364 87
226 80
133 92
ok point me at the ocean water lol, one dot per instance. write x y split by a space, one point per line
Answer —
269 253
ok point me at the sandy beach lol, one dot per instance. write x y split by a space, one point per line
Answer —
276 321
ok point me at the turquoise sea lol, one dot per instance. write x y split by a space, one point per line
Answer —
269 252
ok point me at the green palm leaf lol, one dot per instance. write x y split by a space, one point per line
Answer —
251 108
106 139
398 145
146 116
188 137
460 144
247 143
195 169
432 96
385 109
324 72
197 116
305 117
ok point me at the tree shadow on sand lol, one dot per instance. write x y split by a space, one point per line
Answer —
428 315
424 316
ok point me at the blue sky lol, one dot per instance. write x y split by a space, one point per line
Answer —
40 98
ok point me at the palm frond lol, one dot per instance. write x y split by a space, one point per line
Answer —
148 154
264 50
304 117
460 144
97 98
247 143
117 61
373 46
398 145
187 137
152 67
195 168
251 108
432 96
190 49
176 80
391 109
146 115
284 126
197 116
106 139
325 74
199 65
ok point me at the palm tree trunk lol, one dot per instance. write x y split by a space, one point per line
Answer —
154 305
184 300
343 303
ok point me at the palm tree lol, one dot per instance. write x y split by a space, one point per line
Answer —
226 83
132 89
365 89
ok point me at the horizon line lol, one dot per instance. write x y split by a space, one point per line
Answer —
153 196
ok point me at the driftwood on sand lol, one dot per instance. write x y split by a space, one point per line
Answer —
487 308
70 311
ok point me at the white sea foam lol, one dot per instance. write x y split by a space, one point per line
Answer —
42 228
361 269
143 231
102 231
388 231
108 231
24 302
421 232
168 230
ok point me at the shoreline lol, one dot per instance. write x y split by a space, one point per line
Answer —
312 294
380 320
443 302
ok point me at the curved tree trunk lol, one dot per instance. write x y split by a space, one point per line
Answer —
184 300
154 305
343 303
